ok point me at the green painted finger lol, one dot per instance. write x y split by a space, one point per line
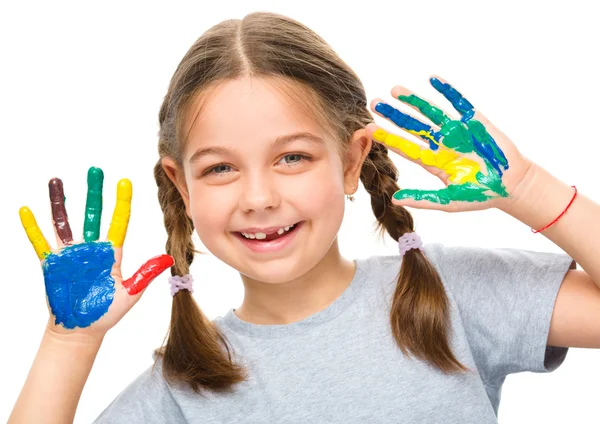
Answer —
433 113
93 205
467 192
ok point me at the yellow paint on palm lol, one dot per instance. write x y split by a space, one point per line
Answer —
120 218
459 169
39 243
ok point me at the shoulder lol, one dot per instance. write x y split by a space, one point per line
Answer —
151 384
146 399
385 268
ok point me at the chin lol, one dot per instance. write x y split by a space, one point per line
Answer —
272 272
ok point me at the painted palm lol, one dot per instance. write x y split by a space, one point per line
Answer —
451 142
83 280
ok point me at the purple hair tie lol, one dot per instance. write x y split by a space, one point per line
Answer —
180 283
409 241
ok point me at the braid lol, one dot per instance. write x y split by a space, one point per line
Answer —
178 225
419 315
195 352
379 176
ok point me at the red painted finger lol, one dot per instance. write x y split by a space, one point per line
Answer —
147 272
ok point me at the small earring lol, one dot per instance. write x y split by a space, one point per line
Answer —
350 196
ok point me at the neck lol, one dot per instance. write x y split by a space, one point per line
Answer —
297 299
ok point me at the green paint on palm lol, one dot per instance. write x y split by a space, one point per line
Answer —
461 137
93 205
492 181
457 137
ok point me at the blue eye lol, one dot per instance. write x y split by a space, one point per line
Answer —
220 166
302 157
223 168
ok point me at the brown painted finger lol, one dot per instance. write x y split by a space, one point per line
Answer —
59 212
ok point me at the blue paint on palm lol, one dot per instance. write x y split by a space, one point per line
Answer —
489 150
78 283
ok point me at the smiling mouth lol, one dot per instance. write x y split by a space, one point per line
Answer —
269 237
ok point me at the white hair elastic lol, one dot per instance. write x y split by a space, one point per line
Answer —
181 283
409 241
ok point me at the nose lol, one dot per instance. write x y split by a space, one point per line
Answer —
259 192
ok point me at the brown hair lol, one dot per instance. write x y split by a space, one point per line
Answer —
271 45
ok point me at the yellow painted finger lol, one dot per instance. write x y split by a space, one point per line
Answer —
459 169
120 218
410 149
37 239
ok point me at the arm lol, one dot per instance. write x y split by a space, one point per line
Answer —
512 183
541 198
57 377
86 295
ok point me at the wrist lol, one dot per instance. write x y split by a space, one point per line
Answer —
539 199
79 340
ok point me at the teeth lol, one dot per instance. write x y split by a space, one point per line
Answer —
262 236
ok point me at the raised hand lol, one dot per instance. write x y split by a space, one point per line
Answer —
480 166
84 286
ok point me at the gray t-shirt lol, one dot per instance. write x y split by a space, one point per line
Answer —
342 365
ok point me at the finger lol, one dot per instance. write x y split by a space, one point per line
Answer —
120 219
147 272
410 124
427 108
451 207
444 159
454 134
467 192
37 239
59 212
482 141
93 205
426 205
462 105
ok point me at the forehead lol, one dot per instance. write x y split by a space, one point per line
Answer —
250 112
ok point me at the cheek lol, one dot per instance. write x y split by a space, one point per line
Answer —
210 210
320 193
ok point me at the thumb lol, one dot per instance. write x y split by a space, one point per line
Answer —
147 272
420 199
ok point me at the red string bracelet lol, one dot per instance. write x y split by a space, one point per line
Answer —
559 216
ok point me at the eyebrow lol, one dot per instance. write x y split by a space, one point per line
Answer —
278 143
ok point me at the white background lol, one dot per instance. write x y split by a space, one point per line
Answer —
85 82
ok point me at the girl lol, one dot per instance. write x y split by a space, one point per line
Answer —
262 133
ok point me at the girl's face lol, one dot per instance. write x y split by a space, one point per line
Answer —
255 162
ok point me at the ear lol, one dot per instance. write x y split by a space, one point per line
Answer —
177 177
359 148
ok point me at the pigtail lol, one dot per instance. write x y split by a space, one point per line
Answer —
419 314
195 352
